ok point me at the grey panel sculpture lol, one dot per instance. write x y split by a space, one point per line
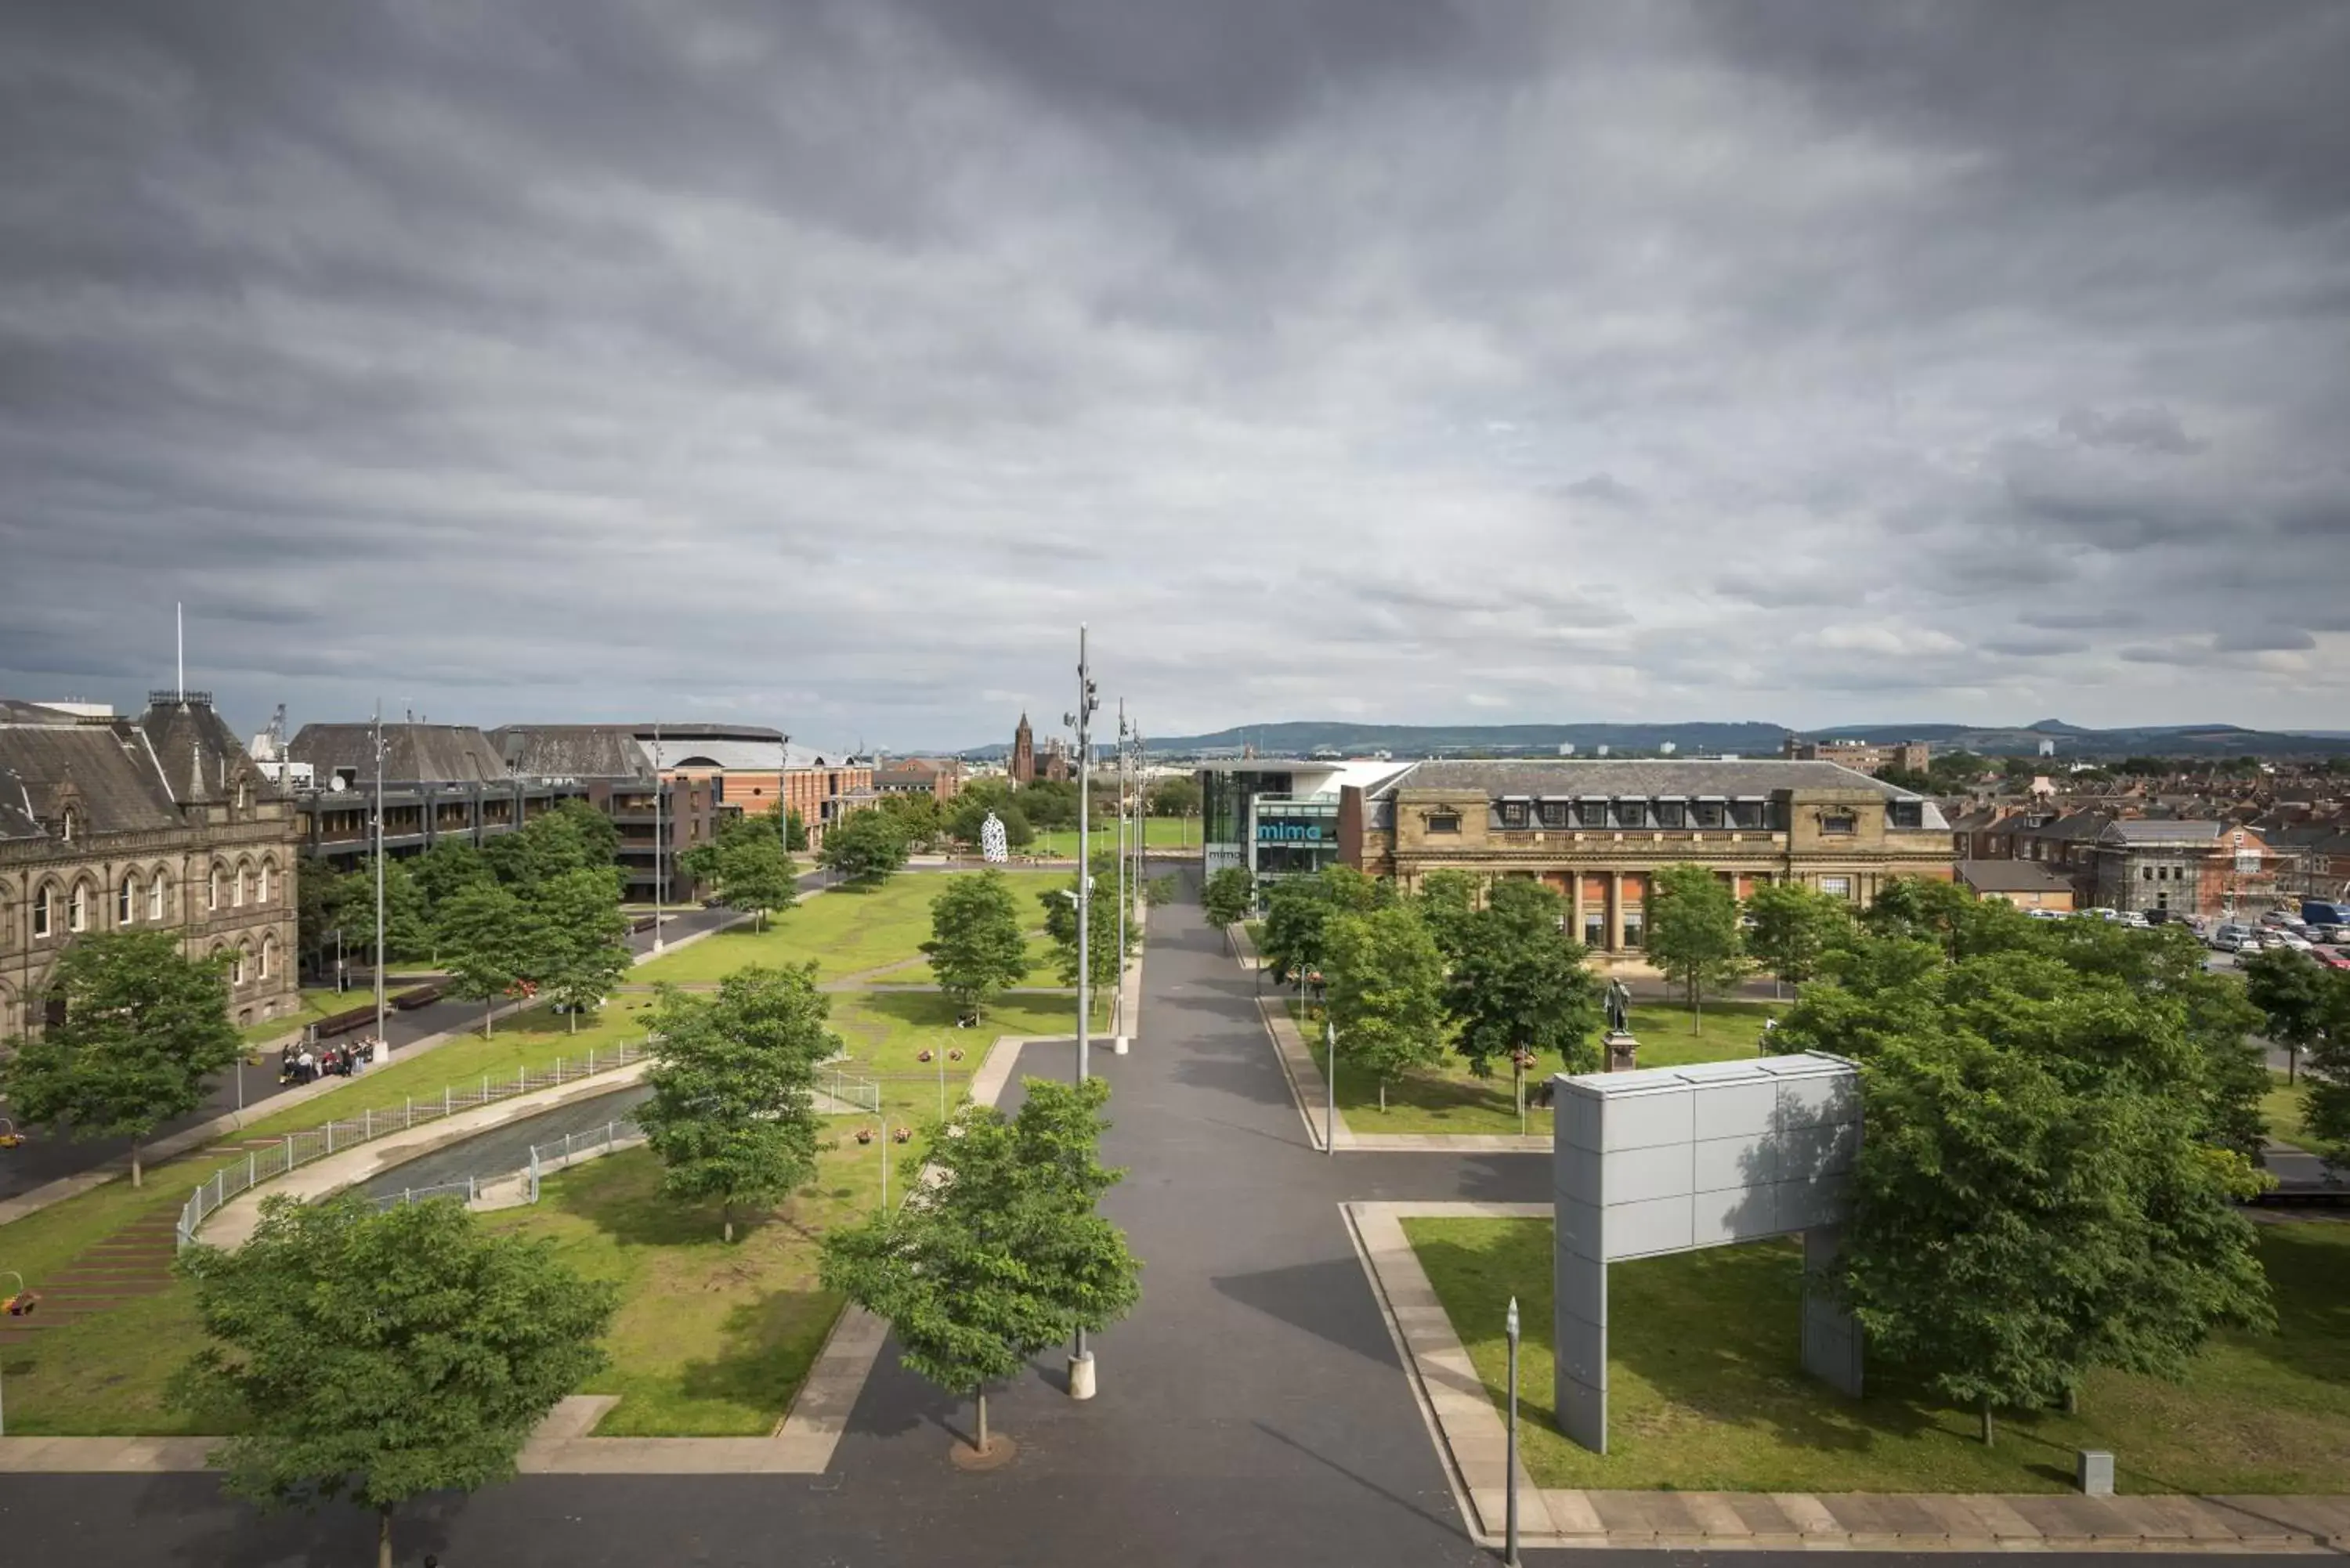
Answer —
1674 1158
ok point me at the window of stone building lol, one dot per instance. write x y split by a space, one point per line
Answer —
1837 887
1838 824
268 953
1906 814
78 908
1706 813
41 913
72 824
1555 813
264 897
213 889
155 897
1745 814
237 895
1595 928
1594 813
1443 822
236 968
1631 813
1513 814
127 903
1671 814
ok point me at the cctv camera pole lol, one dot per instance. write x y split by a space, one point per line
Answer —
1081 1359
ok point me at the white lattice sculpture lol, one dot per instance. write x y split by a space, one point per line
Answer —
994 845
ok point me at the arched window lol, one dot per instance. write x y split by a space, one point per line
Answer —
236 968
155 897
213 889
241 795
42 914
267 867
72 823
244 877
78 908
268 955
126 905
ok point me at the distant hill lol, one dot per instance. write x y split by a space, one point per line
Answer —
1299 738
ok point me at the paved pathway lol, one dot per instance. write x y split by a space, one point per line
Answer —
1254 1410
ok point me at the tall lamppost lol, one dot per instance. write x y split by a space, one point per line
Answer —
1117 1001
1510 1507
1081 1359
661 859
381 1041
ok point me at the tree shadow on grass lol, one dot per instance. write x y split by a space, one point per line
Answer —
621 1195
766 1350
2308 1267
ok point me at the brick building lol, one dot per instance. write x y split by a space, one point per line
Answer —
160 822
1861 756
940 779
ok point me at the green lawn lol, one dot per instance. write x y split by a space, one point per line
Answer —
1159 833
2282 1107
1451 1099
1707 1390
885 1032
711 1339
846 930
317 1003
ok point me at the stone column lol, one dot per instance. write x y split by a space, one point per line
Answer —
1574 904
1616 911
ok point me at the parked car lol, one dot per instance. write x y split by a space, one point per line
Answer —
2135 919
2247 953
2335 959
2230 939
2281 917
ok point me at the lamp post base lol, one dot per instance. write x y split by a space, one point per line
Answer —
1081 1376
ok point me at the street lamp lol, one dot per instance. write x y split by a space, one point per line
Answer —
660 861
1081 1359
378 881
1510 1485
1329 1086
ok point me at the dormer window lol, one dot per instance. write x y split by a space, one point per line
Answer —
1513 814
243 794
72 824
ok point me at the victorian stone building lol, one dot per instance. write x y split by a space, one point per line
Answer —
158 823
1598 831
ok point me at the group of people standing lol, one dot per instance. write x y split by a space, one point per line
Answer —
304 1063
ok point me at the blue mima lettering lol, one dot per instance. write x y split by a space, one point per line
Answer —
1289 832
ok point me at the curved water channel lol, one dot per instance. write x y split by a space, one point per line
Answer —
503 1151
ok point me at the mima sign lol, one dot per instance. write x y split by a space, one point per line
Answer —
1289 833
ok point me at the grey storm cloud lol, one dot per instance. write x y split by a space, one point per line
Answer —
824 364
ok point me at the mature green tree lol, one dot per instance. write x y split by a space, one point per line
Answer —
757 876
795 833
1448 898
145 1031
977 948
733 1114
580 938
1934 910
1178 796
317 904
451 865
1228 896
2292 992
864 846
381 1356
2044 1186
1690 931
919 818
490 945
1060 906
1296 908
1516 985
1005 1256
409 930
2325 1088
1793 928
1385 994
1049 802
969 817
572 836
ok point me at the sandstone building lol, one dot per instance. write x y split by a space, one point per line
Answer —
158 823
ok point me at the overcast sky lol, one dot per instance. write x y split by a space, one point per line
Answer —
822 365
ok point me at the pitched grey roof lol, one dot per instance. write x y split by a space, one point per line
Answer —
110 767
1636 777
197 751
710 732
573 751
719 752
2010 876
413 753
2148 830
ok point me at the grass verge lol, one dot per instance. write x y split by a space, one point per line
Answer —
1708 1392
845 932
1451 1099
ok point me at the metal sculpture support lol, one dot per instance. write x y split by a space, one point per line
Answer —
1672 1159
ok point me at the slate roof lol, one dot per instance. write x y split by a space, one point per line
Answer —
711 733
111 768
2146 830
2010 876
720 751
1567 777
198 753
573 751
413 753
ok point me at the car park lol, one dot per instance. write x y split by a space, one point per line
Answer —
2335 959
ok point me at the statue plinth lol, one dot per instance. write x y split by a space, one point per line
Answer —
1623 1051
